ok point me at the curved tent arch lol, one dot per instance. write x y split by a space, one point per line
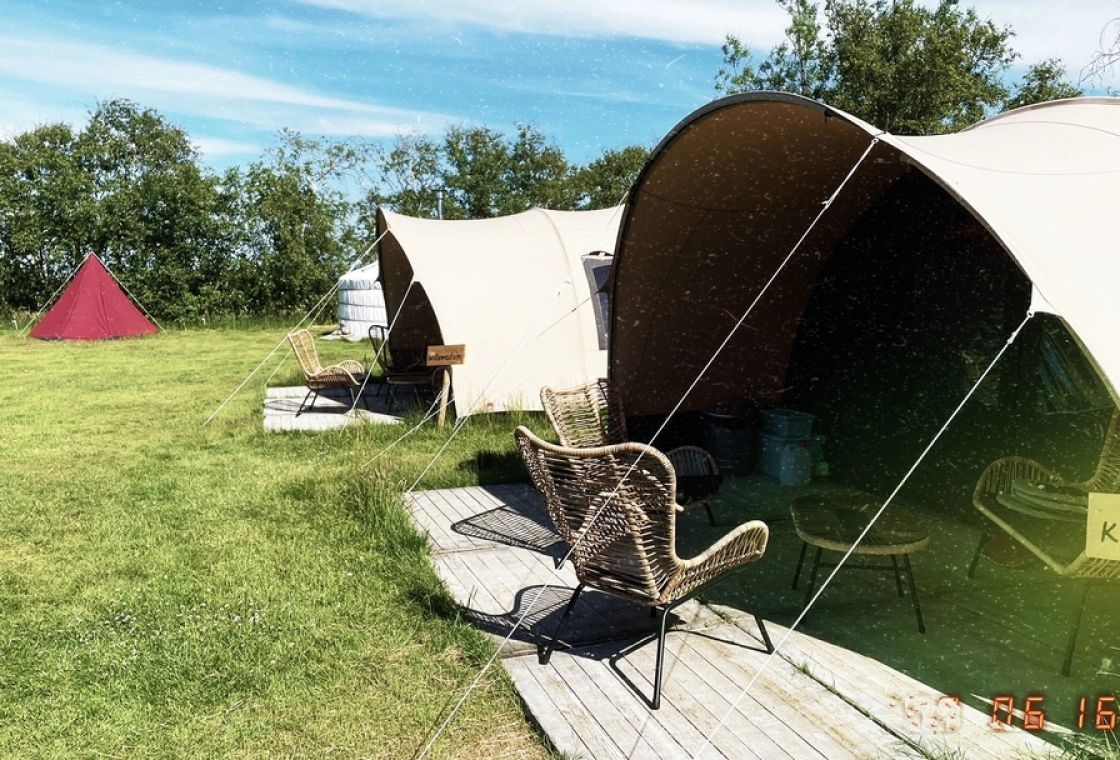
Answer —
491 284
725 194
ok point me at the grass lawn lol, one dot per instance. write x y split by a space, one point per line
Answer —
171 589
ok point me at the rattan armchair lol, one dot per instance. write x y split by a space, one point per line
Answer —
346 374
615 506
593 415
1018 520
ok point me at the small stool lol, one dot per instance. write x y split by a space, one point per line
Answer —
834 522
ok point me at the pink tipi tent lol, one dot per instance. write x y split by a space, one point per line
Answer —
93 307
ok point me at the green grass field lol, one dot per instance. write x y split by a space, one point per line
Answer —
169 589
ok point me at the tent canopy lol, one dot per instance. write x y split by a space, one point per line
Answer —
1019 207
361 303
514 290
93 307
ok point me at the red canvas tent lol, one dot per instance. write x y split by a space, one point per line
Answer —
93 307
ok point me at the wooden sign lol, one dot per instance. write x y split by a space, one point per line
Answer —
445 356
1102 531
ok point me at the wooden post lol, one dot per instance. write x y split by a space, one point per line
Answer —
446 357
443 396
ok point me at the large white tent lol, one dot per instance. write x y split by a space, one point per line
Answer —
361 304
520 292
730 190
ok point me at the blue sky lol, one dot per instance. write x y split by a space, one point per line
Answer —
592 74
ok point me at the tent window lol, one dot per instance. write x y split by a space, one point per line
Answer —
598 269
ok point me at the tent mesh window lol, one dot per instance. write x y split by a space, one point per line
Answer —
597 266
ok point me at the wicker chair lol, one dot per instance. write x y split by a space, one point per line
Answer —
346 374
592 415
615 507
402 367
1016 520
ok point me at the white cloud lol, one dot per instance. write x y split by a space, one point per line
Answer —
1044 28
187 87
700 21
220 147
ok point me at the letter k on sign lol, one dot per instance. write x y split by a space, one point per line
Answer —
1102 534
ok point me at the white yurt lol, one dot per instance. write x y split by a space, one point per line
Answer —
361 304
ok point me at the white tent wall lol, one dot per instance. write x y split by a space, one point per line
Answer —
361 302
514 291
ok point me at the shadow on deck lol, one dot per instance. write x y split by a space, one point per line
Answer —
855 680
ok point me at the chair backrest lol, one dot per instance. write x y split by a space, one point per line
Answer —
615 507
589 415
306 353
1107 475
395 361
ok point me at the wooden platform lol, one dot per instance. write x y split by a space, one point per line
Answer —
330 411
493 547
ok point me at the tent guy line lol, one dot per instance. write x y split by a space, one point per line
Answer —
314 310
50 300
614 493
482 393
124 287
871 524
432 412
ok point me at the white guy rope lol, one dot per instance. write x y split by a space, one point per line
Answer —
314 310
482 393
135 300
517 624
50 300
432 412
921 457
381 348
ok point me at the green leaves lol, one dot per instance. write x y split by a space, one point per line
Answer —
902 66
483 173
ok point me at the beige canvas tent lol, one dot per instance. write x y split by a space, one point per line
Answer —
520 292
1031 195
914 277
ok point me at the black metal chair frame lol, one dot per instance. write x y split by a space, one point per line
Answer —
545 654
304 406
893 568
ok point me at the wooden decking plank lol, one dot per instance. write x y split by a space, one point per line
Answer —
543 710
832 726
689 700
775 737
869 684
599 744
608 711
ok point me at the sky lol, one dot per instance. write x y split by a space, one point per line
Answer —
591 74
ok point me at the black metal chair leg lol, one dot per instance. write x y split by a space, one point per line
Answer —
976 555
656 704
914 593
392 398
897 576
1067 663
544 657
813 576
304 405
800 564
711 517
765 635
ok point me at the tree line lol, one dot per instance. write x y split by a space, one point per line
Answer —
273 236
268 238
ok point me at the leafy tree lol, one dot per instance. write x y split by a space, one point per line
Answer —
894 63
1107 55
298 227
1043 81
481 172
605 181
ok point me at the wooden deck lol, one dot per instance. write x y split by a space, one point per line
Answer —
329 412
493 547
